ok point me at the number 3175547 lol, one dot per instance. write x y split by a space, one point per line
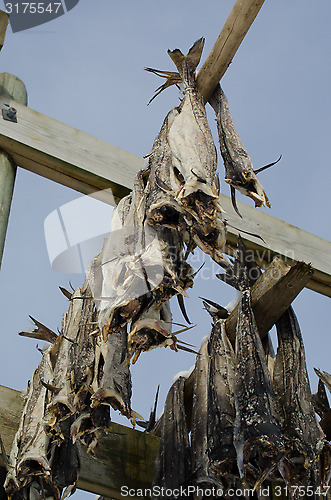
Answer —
33 7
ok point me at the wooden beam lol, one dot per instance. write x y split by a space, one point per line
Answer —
125 457
281 239
235 28
77 160
4 18
66 155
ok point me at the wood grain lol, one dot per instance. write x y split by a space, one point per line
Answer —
66 155
235 28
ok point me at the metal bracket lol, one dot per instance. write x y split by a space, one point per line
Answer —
9 114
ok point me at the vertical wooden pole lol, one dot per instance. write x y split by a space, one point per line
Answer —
11 88
4 18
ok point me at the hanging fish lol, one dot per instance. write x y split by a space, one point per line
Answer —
221 411
139 269
214 455
239 172
307 452
183 166
174 204
112 384
200 414
173 463
73 361
257 433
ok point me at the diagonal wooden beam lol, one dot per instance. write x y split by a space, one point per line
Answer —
235 28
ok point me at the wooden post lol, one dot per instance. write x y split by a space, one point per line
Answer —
11 88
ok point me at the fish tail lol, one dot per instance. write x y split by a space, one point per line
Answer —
187 64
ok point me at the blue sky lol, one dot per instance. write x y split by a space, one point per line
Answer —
86 69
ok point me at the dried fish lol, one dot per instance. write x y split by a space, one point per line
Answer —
173 463
175 202
28 462
221 412
257 434
74 361
200 411
239 171
112 379
187 178
214 455
307 453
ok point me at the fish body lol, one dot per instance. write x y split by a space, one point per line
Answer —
239 171
257 433
222 411
189 183
306 447
173 463
112 384
74 359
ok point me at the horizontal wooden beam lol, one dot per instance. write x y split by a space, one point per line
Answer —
235 28
77 160
65 155
125 456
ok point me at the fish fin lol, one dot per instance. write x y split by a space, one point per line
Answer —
257 171
234 201
40 333
182 308
65 292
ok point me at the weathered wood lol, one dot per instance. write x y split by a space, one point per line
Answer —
272 294
9 85
4 18
235 28
125 458
66 155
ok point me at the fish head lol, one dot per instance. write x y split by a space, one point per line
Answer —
148 333
247 183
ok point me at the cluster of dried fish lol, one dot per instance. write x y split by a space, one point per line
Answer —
239 172
173 208
123 308
44 459
253 418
